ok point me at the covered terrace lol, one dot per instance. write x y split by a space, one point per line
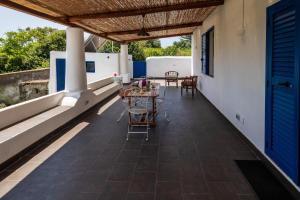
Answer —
68 145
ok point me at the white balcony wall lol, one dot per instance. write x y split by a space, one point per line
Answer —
24 124
105 65
157 66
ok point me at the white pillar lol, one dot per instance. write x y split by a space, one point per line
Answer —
124 64
196 52
75 62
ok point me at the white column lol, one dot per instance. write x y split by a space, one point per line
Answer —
124 64
196 52
75 62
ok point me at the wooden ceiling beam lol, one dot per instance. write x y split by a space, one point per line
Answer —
61 20
158 28
157 37
143 11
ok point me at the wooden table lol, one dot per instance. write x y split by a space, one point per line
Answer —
153 93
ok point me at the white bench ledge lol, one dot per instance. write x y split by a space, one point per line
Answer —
30 123
21 135
106 88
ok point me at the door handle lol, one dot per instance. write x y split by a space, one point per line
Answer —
285 84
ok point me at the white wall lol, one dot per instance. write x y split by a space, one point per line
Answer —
157 66
30 121
105 65
238 85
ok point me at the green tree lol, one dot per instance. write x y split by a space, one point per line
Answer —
185 42
140 50
110 47
152 44
136 50
29 48
170 51
153 52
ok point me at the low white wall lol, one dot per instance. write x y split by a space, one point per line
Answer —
18 112
33 131
157 66
238 85
105 65
100 83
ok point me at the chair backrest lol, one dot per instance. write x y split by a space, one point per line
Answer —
171 74
194 80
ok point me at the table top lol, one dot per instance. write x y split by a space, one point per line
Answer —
138 92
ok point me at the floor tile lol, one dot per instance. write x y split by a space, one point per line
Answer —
143 182
149 151
147 164
169 171
114 191
140 196
128 156
121 172
189 158
197 197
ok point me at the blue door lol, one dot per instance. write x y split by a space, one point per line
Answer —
60 74
282 87
139 69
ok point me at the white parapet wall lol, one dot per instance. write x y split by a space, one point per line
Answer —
24 124
105 65
157 66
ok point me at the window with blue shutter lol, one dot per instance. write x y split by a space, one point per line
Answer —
208 52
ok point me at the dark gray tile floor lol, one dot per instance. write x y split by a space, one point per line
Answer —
190 158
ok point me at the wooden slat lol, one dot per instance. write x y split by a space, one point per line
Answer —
61 20
159 28
156 37
143 11
167 17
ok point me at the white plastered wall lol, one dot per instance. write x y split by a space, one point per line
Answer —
238 85
157 66
105 65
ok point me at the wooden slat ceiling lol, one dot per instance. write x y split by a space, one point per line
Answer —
121 20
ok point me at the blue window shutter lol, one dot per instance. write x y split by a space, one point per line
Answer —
205 56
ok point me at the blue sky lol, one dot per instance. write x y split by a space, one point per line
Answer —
11 20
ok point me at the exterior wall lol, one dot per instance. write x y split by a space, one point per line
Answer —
10 84
157 66
105 65
238 85
33 89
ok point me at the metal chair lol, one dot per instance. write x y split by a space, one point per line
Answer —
138 111
160 101
125 102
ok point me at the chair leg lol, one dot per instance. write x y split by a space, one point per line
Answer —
121 116
127 136
181 90
192 91
166 116
147 134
